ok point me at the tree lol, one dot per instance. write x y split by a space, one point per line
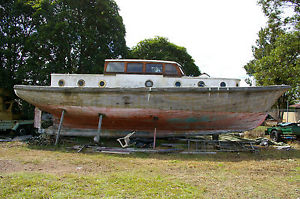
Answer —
16 26
160 48
74 37
284 13
277 52
40 37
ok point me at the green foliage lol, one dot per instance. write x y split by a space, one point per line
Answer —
75 37
277 52
40 37
159 48
282 65
283 12
16 26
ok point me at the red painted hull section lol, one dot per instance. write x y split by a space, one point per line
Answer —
148 119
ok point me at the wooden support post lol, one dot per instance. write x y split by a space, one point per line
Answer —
59 127
37 118
97 138
154 138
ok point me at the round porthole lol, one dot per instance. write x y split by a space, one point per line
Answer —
222 84
177 84
201 84
61 82
237 84
81 83
102 83
148 83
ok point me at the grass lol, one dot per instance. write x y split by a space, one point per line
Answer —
38 185
51 172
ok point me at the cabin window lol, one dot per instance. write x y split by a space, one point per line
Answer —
154 68
170 69
81 82
135 67
177 84
149 83
102 83
61 82
115 67
223 84
201 84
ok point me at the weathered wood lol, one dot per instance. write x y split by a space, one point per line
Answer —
37 118
199 110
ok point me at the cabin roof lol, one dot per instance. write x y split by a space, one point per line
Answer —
141 60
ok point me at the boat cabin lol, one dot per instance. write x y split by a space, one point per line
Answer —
133 73
144 67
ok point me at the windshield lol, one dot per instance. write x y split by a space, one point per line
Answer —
115 67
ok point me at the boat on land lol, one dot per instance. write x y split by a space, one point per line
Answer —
143 95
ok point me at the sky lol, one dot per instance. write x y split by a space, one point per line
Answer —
218 34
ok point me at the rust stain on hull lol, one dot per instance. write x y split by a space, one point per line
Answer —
148 119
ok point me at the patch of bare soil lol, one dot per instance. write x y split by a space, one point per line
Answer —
49 162
11 166
8 166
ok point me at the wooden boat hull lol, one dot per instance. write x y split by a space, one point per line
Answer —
172 111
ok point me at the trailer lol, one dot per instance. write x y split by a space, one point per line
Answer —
284 131
18 127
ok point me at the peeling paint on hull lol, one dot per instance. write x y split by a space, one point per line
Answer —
148 119
181 110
